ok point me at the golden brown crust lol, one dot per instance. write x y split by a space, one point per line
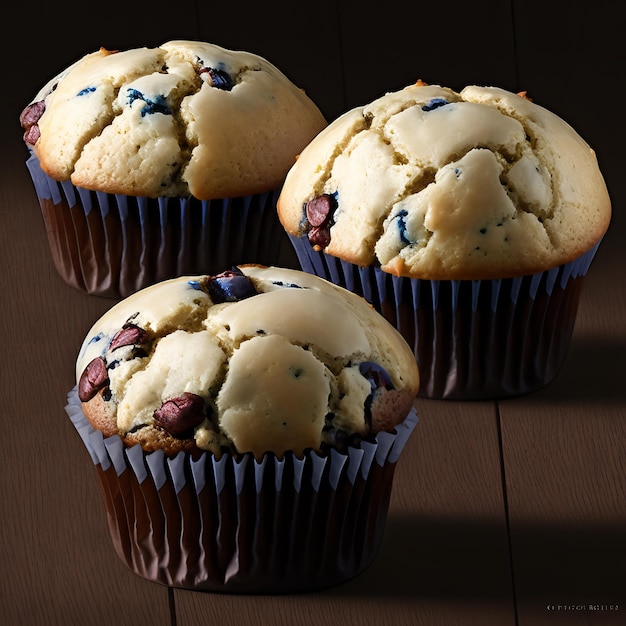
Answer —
199 122
101 415
151 438
209 363
390 408
529 198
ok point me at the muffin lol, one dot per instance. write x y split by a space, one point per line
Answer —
151 163
468 219
245 427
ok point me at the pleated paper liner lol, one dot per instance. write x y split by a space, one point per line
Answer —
113 245
237 525
472 339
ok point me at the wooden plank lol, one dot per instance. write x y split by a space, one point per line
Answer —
444 557
564 450
57 564
565 447
566 493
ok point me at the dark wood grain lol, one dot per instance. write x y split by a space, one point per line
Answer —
501 512
438 558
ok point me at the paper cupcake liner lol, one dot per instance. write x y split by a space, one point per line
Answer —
237 525
472 339
113 245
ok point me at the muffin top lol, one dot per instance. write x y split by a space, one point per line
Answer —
186 118
434 184
256 359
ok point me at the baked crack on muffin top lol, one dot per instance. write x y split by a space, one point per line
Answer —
430 183
186 118
251 360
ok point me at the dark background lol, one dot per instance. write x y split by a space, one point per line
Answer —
568 56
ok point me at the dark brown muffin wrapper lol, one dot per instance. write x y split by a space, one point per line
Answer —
113 245
472 339
238 525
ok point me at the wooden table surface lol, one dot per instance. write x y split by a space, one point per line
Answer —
509 513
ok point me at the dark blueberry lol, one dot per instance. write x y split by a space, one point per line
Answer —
435 103
93 378
132 95
319 214
96 338
28 120
158 105
218 78
401 222
85 91
129 335
32 134
230 286
296 372
32 113
378 378
179 416
376 375
319 237
319 210
280 283
137 428
337 437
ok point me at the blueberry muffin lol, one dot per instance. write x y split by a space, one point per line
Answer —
255 385
154 162
427 201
